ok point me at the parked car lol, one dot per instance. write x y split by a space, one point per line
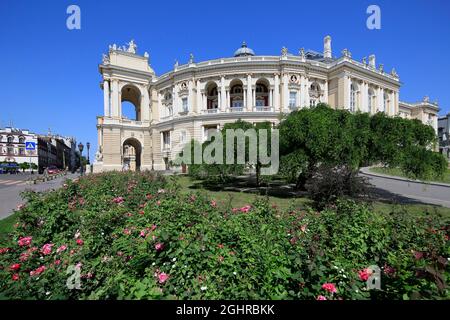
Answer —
53 170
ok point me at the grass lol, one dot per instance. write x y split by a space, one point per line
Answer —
239 199
397 172
7 226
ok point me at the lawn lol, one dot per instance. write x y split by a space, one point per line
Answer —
397 172
6 226
239 199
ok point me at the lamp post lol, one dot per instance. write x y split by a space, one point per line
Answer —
88 145
80 147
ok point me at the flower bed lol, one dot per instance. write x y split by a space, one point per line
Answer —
134 236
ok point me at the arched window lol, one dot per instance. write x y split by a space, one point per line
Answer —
21 139
262 94
212 96
10 139
167 109
237 95
314 93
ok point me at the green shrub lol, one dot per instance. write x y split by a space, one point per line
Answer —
136 237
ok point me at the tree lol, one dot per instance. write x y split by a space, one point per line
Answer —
221 171
322 135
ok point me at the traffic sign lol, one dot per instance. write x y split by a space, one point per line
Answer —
29 145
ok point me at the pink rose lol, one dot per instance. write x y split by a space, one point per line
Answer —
246 208
153 227
15 277
321 298
47 249
118 200
38 271
159 246
25 241
162 277
4 250
142 234
61 249
213 203
329 287
15 266
80 242
364 274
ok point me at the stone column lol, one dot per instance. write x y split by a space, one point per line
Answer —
115 99
380 99
198 102
158 109
347 84
190 96
106 110
223 95
306 93
325 92
175 100
271 97
145 105
285 105
204 102
227 100
276 94
249 93
254 96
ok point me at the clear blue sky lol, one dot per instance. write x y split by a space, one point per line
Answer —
49 74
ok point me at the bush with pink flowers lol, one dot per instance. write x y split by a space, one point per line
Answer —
135 236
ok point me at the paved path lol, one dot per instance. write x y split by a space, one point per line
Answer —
408 191
12 185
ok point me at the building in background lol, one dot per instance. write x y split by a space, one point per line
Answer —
58 151
444 135
13 149
197 98
425 111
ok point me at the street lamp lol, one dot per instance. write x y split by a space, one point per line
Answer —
80 147
88 145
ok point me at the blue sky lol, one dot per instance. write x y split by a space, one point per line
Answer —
50 74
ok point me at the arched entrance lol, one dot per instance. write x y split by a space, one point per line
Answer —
131 155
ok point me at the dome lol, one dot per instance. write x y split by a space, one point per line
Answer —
244 51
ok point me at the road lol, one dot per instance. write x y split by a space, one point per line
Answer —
12 185
410 192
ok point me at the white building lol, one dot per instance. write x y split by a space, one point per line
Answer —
12 146
196 98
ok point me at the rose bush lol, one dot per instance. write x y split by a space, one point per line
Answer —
135 236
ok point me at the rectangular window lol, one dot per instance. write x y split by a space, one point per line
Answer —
260 103
185 104
292 99
166 139
22 151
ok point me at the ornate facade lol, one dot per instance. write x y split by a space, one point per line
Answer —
196 98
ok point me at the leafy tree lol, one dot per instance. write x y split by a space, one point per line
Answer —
322 135
221 171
